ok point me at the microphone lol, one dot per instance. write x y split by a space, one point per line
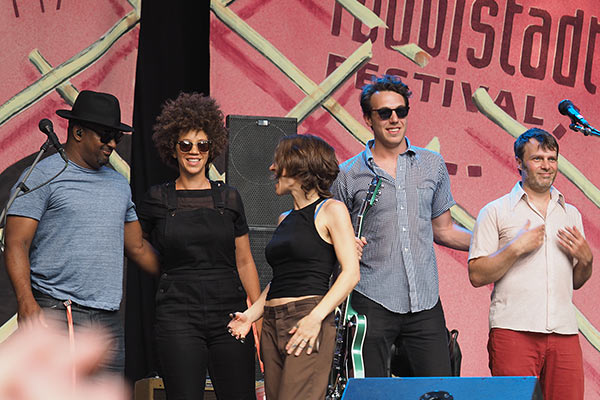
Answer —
46 127
566 107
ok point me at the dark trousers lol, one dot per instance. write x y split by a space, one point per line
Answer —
89 318
423 334
192 337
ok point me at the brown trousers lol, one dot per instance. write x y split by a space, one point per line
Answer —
288 377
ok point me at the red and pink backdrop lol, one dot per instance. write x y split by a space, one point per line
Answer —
527 54
309 58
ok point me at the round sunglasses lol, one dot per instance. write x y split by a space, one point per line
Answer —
186 146
385 113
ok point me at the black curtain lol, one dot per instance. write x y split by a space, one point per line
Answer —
173 56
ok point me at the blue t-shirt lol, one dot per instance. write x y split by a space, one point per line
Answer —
77 250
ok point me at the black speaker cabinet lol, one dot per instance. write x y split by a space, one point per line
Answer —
451 388
259 238
252 142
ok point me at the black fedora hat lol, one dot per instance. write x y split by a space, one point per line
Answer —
99 108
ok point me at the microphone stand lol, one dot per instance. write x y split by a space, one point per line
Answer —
20 188
586 130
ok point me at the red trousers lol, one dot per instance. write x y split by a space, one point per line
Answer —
555 359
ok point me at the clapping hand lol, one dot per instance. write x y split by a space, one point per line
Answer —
574 244
529 239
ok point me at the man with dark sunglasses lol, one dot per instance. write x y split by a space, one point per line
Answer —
65 237
398 291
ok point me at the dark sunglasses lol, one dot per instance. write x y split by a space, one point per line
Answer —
386 113
186 146
106 134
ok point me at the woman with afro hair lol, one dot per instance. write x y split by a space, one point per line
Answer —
199 228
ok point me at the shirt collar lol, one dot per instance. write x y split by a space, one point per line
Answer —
517 194
370 143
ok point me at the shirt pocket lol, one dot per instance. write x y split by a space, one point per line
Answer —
425 192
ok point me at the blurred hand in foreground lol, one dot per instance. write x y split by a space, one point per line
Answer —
38 364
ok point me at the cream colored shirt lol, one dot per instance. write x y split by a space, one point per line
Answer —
536 293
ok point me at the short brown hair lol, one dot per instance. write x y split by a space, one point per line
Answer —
387 83
189 112
309 159
545 139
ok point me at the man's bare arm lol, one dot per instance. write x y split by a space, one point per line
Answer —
19 233
447 233
489 269
139 250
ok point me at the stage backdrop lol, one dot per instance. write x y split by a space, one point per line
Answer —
309 59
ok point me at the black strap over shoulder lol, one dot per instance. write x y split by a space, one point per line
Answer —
216 190
171 196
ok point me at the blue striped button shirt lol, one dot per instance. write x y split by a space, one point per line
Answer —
398 267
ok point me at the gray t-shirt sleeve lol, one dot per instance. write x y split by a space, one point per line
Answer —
31 204
130 215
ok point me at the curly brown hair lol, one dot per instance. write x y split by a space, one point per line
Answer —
189 112
309 159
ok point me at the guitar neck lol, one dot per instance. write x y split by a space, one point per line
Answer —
359 225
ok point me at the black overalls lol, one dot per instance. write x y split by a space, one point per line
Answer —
198 289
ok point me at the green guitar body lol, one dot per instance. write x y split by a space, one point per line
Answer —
348 359
357 333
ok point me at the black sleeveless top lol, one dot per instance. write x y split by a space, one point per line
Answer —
302 261
194 230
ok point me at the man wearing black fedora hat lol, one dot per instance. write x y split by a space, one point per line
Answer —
65 239
100 115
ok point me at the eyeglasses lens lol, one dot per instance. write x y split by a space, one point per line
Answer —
386 113
107 136
186 146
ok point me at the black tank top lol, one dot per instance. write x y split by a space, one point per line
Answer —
302 261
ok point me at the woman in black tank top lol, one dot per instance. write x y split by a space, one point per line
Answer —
298 336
